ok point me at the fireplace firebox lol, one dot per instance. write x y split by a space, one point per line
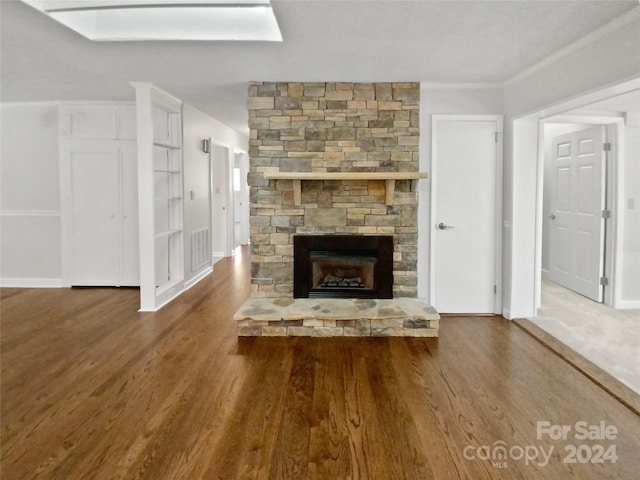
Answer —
343 266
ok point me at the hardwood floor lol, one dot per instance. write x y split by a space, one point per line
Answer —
91 389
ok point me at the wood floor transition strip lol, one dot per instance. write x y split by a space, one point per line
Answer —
597 375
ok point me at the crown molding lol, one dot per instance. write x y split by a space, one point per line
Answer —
461 86
599 33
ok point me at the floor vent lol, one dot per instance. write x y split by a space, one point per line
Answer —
200 249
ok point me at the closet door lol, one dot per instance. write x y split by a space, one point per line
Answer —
130 260
94 215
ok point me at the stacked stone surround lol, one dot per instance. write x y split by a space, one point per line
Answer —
331 127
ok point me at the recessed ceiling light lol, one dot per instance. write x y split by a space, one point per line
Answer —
126 20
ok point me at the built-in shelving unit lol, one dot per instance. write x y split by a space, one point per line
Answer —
160 174
388 177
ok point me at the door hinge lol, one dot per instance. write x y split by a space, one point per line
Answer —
606 214
606 146
495 290
495 136
604 281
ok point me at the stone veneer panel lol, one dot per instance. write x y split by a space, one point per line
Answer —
331 127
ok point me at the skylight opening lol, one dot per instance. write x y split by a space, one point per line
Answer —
148 20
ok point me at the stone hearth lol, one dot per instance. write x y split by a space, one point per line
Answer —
401 317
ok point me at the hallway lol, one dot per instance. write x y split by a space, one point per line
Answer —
607 337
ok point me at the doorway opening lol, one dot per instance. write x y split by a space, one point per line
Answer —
240 199
603 325
578 160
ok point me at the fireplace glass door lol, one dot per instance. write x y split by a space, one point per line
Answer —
343 266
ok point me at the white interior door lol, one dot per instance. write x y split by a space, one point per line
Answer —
576 237
464 238
244 194
237 203
130 259
94 216
241 199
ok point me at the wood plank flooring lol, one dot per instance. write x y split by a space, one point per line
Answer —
92 389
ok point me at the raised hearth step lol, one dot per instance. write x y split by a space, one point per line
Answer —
337 317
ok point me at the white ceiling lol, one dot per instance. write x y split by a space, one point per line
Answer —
324 40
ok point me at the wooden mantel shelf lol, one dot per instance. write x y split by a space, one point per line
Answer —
388 177
345 175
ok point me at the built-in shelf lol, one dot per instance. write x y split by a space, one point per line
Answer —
160 192
388 177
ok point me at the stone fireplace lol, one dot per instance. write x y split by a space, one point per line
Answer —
331 128
334 160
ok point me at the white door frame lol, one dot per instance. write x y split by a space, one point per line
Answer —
524 229
614 133
436 119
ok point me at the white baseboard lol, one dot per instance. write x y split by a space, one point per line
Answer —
31 282
217 256
506 313
190 283
628 304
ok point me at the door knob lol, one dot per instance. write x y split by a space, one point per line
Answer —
442 226
552 216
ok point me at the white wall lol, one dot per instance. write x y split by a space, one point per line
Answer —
435 100
197 212
605 61
630 293
30 252
197 195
